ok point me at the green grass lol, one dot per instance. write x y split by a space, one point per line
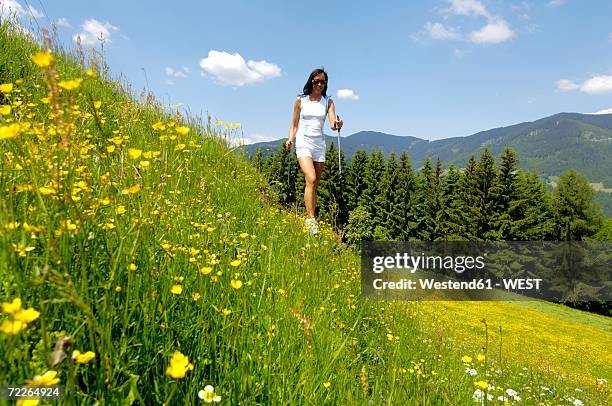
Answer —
95 239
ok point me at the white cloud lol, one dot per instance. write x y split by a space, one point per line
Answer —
255 138
555 3
63 22
231 69
494 32
606 111
93 30
438 31
468 7
10 8
346 94
566 85
35 13
177 73
596 85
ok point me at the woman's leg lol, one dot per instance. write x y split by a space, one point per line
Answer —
318 166
310 176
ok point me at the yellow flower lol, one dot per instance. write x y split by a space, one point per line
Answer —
121 209
12 327
219 122
130 190
90 73
481 384
110 148
237 125
134 153
12 307
327 385
159 126
208 395
27 402
97 104
132 267
236 284
176 289
179 147
226 312
182 130
46 379
22 249
205 270
144 164
9 131
244 235
466 359
480 357
70 84
179 365
42 59
6 87
79 358
196 296
235 262
5 110
26 316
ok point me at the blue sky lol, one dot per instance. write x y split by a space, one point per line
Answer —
431 69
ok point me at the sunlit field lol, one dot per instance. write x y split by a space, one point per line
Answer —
145 261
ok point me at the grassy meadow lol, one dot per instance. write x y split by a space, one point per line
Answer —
138 238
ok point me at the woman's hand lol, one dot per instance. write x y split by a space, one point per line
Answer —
289 144
338 124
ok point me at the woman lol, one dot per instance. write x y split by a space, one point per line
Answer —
309 112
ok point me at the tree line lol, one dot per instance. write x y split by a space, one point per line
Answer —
374 198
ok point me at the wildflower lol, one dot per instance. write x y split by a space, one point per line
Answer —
205 270
42 59
466 359
120 209
208 395
480 357
6 87
226 312
327 385
130 190
144 164
179 365
196 296
22 249
176 289
218 122
26 316
237 125
110 148
235 262
70 84
481 384
118 289
97 104
90 73
471 371
159 126
46 379
5 110
9 131
14 306
132 267
179 147
244 235
79 358
236 284
12 327
182 130
134 153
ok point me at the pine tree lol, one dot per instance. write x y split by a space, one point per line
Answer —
425 222
375 169
450 224
507 197
258 160
487 186
406 195
331 200
576 215
387 201
470 200
534 218
355 178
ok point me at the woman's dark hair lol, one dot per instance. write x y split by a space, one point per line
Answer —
308 86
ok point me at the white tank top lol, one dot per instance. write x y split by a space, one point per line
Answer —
312 117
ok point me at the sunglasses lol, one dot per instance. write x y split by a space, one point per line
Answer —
318 82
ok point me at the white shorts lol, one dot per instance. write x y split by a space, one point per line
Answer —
313 147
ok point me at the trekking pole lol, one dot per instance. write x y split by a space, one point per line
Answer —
339 164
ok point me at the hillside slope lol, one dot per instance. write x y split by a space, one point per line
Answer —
140 235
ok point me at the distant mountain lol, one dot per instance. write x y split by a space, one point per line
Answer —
550 146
